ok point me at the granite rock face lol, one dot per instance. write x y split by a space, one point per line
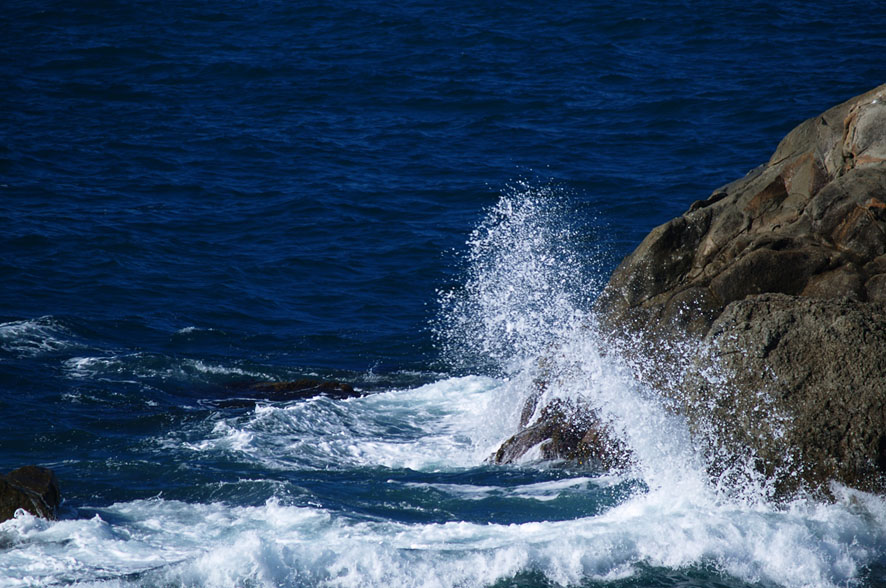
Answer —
31 488
803 384
777 283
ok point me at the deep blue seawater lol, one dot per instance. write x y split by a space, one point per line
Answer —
417 199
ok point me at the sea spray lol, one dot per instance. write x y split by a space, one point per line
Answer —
525 284
669 520
525 308
526 312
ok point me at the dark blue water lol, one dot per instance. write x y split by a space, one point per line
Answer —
199 196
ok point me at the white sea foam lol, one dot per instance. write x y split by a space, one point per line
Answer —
157 542
679 521
35 337
445 424
135 367
675 524
541 491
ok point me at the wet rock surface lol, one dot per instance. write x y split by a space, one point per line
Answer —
565 431
781 276
32 488
801 382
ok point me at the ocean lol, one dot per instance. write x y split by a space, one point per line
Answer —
418 199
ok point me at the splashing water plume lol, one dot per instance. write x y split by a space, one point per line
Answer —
525 311
525 285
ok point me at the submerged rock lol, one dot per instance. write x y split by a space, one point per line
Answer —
304 388
31 488
249 394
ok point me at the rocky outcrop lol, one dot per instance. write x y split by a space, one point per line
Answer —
776 284
802 383
31 488
781 276
811 222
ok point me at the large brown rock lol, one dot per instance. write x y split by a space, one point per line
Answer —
801 385
31 488
782 277
810 222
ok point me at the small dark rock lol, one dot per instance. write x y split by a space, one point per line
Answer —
305 388
566 431
32 488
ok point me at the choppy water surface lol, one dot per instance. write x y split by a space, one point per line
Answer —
420 200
